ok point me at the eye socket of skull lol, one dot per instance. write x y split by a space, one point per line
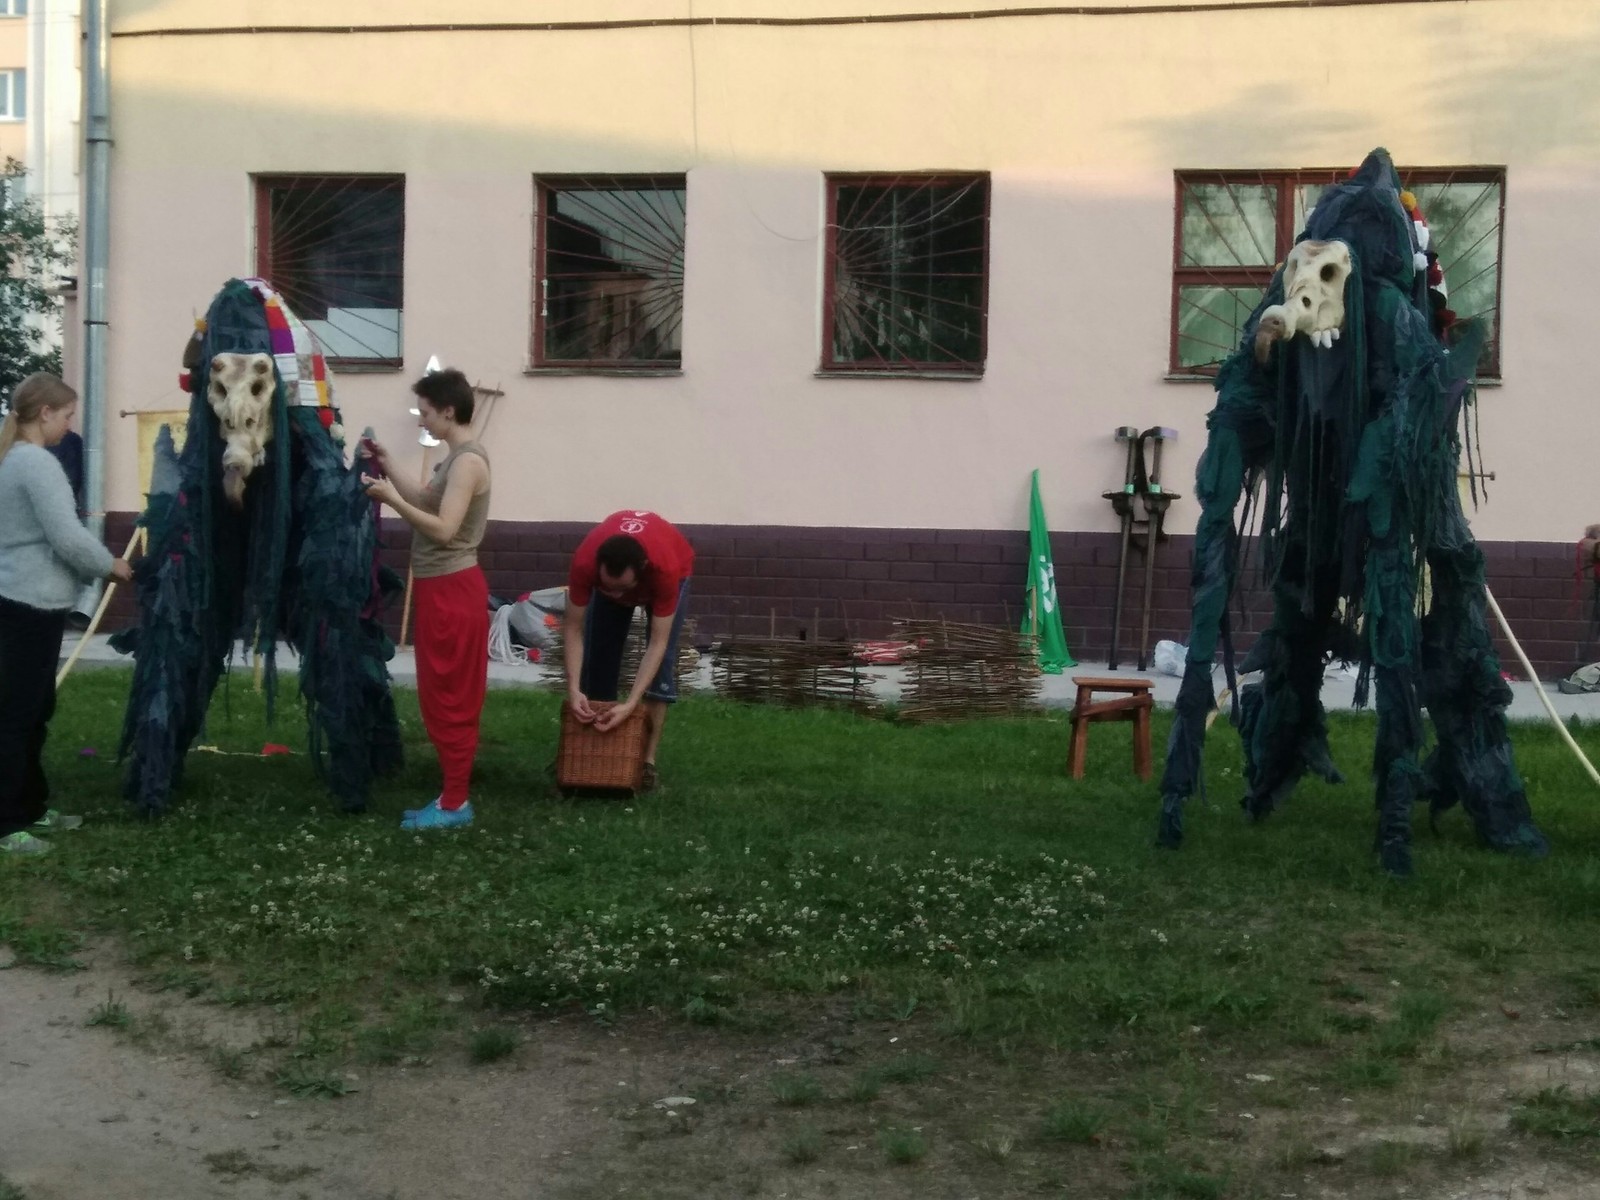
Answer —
1329 272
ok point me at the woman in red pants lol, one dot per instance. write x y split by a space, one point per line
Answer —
447 518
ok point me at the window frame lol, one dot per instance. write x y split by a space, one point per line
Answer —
1288 181
14 87
832 367
263 183
13 8
544 186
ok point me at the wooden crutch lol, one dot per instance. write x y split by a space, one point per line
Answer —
99 613
405 608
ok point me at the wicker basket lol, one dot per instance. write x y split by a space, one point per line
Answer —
609 761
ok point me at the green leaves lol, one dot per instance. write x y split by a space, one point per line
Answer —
34 251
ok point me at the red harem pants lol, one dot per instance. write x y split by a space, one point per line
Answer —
452 651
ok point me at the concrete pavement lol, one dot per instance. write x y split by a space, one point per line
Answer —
1057 691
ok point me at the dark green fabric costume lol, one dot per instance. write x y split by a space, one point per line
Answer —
1355 450
298 562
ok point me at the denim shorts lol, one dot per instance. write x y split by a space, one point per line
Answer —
605 632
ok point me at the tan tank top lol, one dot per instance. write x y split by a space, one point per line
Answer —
430 559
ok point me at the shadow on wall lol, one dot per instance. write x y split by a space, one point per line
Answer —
1487 101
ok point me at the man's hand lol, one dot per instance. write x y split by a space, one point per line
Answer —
579 703
613 717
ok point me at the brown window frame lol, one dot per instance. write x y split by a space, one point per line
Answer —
655 240
959 368
1288 182
374 181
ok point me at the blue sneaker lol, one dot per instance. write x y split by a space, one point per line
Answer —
434 817
411 814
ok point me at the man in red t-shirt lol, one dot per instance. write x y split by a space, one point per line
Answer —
630 558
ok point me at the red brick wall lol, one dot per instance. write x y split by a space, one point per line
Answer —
855 582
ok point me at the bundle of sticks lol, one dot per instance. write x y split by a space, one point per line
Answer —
965 671
791 672
553 654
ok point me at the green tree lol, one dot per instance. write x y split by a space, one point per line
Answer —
34 251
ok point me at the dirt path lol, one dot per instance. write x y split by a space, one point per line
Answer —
87 1112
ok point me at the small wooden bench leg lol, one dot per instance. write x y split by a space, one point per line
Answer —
1080 747
1141 743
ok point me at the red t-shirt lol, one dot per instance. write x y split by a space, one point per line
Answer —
669 560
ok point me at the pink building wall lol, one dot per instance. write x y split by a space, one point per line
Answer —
1080 122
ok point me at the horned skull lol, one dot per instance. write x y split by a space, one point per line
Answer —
1313 297
240 393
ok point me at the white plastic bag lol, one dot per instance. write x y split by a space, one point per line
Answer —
1170 657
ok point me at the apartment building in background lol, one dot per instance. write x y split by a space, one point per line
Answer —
826 291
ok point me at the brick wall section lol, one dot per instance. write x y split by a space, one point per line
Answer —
856 582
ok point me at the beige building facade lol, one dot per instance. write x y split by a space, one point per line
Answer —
13 79
826 290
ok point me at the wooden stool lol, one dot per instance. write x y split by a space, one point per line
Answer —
1133 704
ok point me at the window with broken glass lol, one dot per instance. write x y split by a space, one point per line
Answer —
906 285
1235 227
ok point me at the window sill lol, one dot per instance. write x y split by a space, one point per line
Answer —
1484 381
945 376
365 367
609 372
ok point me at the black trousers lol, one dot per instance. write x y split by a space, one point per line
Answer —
30 652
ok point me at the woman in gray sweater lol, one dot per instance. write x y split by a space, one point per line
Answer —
45 556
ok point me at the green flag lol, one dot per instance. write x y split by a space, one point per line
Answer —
1041 613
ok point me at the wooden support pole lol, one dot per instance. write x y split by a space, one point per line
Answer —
405 607
99 613
1555 718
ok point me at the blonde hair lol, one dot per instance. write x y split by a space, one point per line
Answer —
29 400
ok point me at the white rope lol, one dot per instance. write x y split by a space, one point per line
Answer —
501 649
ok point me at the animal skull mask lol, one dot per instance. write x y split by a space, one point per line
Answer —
1313 297
240 392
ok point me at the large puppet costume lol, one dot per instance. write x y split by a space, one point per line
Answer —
1343 403
259 531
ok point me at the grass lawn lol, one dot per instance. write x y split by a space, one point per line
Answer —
1197 1024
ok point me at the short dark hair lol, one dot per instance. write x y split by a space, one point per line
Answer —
450 389
620 553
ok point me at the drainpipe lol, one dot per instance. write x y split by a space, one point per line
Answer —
96 209
38 64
